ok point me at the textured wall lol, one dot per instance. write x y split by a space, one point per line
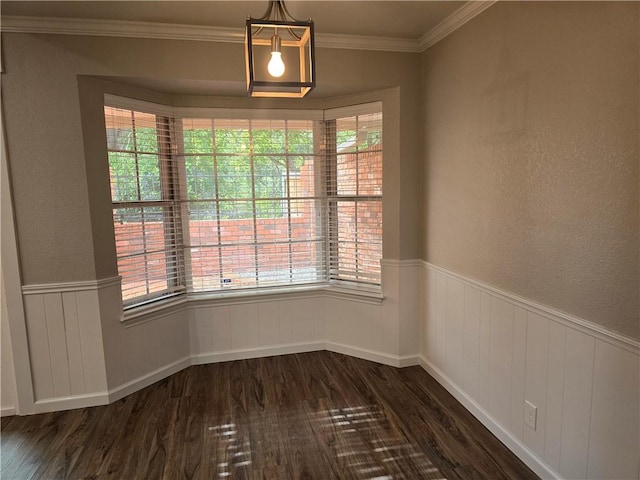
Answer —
531 151
60 179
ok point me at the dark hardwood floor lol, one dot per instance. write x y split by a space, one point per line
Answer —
316 415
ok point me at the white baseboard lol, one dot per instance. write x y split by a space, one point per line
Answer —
148 379
244 354
104 398
229 355
511 442
7 411
408 361
384 358
70 402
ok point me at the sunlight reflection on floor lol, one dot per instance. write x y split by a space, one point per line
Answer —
370 447
366 445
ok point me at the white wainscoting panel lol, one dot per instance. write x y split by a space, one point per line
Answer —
144 350
255 328
82 352
385 331
408 307
494 350
615 423
65 346
361 326
8 394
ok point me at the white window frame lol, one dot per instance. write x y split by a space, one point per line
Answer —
366 290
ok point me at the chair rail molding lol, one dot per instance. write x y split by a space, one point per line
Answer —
494 350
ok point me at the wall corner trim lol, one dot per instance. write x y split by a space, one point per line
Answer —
467 12
627 343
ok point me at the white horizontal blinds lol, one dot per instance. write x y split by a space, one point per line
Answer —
144 198
254 212
355 196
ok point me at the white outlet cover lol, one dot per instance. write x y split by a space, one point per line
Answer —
530 414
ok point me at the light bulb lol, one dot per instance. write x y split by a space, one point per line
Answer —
276 65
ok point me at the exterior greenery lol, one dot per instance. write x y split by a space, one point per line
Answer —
229 165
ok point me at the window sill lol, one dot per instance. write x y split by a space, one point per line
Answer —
148 312
151 311
236 297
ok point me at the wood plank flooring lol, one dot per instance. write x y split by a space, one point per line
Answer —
316 415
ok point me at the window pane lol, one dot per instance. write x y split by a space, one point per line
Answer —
346 138
302 177
146 135
274 263
122 171
138 230
270 176
306 222
201 181
134 177
119 125
197 136
370 172
357 231
232 136
359 240
234 177
300 137
238 266
347 166
149 177
147 235
269 137
369 238
203 213
237 210
205 269
141 248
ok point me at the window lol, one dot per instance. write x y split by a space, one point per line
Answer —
146 211
354 195
214 202
252 206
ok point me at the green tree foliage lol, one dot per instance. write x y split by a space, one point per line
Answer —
219 158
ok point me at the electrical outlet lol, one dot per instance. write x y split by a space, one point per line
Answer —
530 414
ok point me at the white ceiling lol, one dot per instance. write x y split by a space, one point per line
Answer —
390 19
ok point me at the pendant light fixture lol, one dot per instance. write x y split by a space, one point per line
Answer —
279 54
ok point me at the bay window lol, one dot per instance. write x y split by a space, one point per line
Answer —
208 200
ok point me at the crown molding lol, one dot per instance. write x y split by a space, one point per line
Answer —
361 42
453 22
119 28
169 31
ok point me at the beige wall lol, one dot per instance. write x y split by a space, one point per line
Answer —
531 155
530 147
55 135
